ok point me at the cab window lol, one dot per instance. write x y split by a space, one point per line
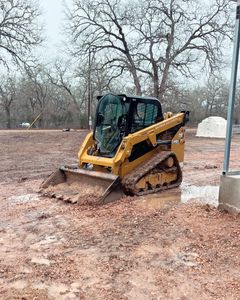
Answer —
144 115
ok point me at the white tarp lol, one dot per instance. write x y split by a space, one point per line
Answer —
214 127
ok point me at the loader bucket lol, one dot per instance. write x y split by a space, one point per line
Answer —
74 184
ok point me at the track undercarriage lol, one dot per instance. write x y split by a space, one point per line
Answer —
159 173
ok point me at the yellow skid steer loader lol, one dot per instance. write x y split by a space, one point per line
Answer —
134 150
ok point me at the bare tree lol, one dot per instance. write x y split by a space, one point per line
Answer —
81 82
60 77
215 103
151 39
37 95
19 30
175 35
8 96
100 25
39 90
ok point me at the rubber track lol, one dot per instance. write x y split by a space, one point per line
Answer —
133 177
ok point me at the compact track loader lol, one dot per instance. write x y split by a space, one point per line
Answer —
134 149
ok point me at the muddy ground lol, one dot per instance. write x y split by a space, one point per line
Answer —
136 248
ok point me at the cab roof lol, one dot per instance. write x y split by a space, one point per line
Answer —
131 97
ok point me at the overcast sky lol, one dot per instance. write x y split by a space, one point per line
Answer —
53 18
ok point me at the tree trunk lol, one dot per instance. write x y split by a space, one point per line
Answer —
155 75
40 121
137 83
155 82
8 114
134 74
162 87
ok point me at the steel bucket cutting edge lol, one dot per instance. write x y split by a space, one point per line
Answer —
72 184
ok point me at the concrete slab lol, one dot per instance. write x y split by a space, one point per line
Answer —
229 193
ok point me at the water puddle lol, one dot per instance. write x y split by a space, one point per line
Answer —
166 200
58 291
41 261
19 284
205 194
160 201
24 198
46 243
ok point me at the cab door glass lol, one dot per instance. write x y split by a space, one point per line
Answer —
110 116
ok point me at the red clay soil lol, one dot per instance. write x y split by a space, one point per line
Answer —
123 250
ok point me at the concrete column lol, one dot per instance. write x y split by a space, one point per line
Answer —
229 193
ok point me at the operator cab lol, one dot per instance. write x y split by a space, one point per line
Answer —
119 115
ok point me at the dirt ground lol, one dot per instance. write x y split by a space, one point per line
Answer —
136 248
